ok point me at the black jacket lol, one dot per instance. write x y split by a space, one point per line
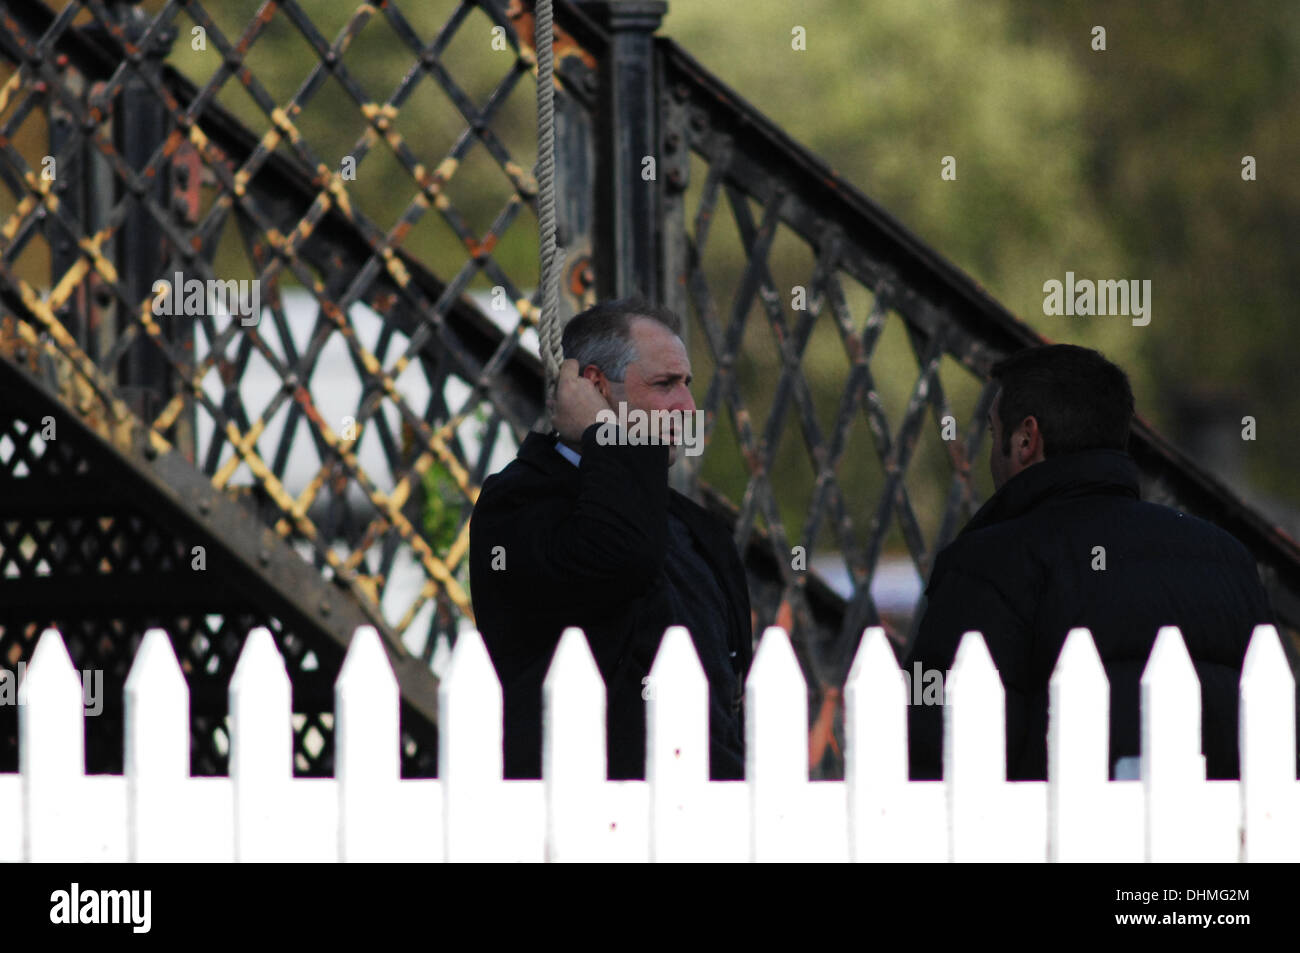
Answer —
1021 572
586 546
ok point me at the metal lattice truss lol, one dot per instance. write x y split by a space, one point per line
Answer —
355 520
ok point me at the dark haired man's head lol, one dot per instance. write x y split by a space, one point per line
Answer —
602 336
1056 399
631 350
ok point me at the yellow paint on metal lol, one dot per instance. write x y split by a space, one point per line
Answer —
169 413
396 268
11 86
377 113
68 283
20 212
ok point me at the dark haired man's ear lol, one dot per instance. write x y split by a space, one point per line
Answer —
598 379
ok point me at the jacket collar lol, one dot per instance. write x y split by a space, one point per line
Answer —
538 450
1086 473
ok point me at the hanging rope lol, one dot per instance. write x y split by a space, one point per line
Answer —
552 259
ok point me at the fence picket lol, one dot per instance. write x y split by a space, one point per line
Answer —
776 724
1270 794
1090 817
579 821
261 749
989 817
367 705
686 822
1185 818
157 756
483 818
51 753
889 817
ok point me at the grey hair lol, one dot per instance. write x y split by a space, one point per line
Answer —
601 335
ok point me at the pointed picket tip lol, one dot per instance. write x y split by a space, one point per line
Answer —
155 671
677 664
51 674
876 666
1266 720
157 711
776 717
261 709
775 665
573 668
1266 665
1079 664
470 705
1169 662
367 715
573 722
366 666
1170 712
677 713
260 663
973 668
875 714
470 665
1078 723
51 739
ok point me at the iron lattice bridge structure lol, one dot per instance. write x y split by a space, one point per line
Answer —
210 473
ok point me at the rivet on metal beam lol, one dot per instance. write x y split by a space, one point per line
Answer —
205 507
264 557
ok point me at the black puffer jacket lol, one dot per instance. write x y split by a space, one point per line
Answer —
1021 572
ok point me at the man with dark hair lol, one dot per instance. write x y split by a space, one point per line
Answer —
583 530
1065 541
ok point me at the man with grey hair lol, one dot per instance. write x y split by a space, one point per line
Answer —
582 529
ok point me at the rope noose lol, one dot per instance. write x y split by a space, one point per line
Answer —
552 259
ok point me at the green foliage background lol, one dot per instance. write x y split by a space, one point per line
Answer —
1124 163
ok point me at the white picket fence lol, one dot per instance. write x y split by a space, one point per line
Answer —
157 812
